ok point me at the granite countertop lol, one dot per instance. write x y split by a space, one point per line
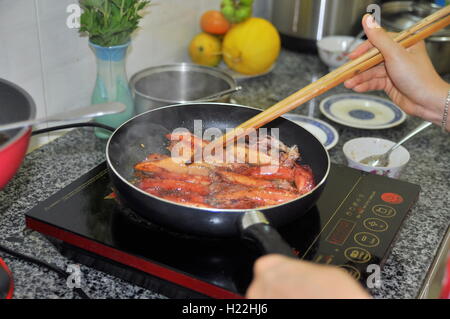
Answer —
57 164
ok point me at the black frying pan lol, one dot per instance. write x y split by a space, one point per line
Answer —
124 150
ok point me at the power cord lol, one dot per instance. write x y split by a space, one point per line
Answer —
61 273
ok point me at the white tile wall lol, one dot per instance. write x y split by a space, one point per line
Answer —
55 65
20 49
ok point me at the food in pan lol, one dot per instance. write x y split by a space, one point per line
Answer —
253 179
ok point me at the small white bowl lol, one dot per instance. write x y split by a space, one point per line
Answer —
359 148
330 49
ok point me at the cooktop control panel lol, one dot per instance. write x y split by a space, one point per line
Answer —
359 230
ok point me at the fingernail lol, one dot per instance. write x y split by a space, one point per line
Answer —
372 23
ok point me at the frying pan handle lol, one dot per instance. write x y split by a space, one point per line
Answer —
255 227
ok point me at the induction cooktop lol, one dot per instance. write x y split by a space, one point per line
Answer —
353 226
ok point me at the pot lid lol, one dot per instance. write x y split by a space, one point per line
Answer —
400 15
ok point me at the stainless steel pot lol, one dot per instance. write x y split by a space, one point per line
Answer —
303 22
400 15
178 83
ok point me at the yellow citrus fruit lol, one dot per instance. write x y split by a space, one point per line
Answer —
251 47
206 49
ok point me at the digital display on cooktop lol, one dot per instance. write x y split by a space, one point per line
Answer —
341 232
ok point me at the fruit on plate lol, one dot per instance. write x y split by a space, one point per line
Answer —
214 22
205 49
251 47
237 10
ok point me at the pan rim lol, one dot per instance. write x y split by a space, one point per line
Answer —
212 210
183 66
22 132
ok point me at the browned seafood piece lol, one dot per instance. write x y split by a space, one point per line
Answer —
186 199
244 203
189 200
304 179
244 180
173 185
186 145
243 154
269 196
161 173
187 137
271 172
175 167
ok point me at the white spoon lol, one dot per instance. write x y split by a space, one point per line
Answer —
382 160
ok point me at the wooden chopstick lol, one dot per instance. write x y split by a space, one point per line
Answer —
407 38
333 79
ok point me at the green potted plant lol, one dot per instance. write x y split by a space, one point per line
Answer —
109 25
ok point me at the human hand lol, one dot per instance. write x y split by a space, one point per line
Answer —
278 277
407 75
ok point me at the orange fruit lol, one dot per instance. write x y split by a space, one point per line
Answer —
214 22
206 49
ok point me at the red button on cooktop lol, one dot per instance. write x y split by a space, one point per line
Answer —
392 198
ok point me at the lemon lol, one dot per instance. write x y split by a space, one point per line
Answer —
251 47
205 49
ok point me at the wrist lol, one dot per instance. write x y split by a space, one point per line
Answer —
445 124
438 104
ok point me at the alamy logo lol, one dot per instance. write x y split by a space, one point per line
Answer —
375 11
74 279
73 20
374 279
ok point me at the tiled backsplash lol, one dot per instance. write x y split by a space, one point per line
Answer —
55 65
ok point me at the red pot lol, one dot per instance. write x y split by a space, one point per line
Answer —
15 105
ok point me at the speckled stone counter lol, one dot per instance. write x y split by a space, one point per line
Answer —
54 166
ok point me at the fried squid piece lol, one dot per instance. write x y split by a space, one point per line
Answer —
244 180
271 172
244 203
186 146
174 166
244 154
160 173
185 198
285 156
172 185
304 179
186 138
266 196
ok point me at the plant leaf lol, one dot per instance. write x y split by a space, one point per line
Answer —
110 22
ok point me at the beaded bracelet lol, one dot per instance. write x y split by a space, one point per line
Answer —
444 119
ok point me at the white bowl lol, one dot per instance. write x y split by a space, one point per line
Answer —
357 149
330 49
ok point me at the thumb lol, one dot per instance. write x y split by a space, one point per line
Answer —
381 39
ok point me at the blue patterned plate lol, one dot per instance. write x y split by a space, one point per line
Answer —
362 111
324 132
